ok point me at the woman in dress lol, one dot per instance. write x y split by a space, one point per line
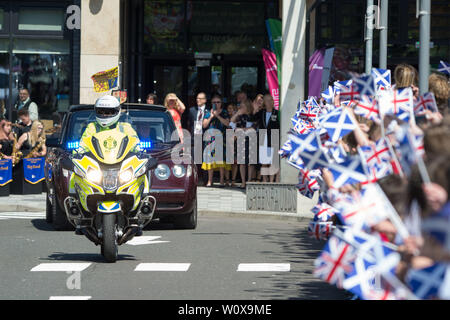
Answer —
216 118
176 109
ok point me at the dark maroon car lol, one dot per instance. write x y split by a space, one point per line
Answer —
174 186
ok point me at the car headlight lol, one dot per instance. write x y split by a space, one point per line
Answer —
162 172
179 171
126 176
94 176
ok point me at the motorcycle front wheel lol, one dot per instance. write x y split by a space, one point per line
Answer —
109 243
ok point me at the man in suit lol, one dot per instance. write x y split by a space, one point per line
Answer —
195 128
268 119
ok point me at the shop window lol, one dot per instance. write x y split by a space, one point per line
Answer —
43 66
35 19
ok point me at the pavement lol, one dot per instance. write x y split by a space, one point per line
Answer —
211 200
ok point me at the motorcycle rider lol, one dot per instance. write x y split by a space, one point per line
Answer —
107 114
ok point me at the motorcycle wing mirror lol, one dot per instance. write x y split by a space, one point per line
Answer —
152 163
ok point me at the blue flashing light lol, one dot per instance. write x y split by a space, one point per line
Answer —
145 144
72 145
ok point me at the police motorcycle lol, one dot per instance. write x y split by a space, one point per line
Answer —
109 199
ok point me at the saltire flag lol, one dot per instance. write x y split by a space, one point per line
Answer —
426 283
302 142
425 102
368 108
351 171
437 225
315 159
364 85
323 212
320 230
286 149
328 95
335 261
342 86
338 124
382 77
336 152
372 269
307 182
444 67
398 102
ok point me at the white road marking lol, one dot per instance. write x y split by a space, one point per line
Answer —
273 267
61 267
21 215
163 267
137 241
70 298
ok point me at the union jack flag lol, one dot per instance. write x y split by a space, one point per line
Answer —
409 147
377 172
364 85
444 67
323 212
320 230
425 102
398 102
301 125
346 92
338 124
377 153
426 283
308 109
382 77
335 261
368 108
307 182
361 210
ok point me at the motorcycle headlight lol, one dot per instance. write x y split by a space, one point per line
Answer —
179 171
162 172
94 176
141 171
126 176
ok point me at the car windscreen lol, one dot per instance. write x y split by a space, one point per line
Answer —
151 126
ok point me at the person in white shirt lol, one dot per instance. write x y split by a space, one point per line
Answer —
26 103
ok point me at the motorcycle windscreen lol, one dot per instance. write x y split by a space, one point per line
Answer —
110 146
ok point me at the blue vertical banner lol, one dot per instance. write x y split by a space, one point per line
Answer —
5 172
33 170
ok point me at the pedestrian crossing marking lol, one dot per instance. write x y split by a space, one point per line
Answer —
61 267
163 267
264 267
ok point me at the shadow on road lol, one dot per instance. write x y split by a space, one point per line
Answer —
42 225
86 257
300 250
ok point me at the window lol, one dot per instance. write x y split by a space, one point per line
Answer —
36 19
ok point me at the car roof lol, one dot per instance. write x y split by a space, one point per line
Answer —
134 106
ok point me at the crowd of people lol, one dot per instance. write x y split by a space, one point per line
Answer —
240 113
387 233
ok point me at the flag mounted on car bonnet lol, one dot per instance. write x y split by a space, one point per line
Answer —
106 80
